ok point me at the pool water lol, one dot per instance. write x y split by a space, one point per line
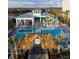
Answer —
54 32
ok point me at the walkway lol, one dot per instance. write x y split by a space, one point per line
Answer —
37 53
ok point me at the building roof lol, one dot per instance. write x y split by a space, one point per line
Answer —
45 14
30 15
25 15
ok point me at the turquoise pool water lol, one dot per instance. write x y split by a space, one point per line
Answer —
54 32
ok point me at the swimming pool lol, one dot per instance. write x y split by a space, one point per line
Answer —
54 32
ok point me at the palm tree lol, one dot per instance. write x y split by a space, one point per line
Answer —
12 41
59 39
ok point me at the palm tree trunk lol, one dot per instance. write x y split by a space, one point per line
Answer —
12 54
59 49
59 45
16 52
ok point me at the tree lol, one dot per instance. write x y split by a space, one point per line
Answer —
12 42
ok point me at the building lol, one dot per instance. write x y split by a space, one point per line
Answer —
65 5
37 22
35 19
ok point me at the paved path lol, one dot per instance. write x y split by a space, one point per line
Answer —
37 53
